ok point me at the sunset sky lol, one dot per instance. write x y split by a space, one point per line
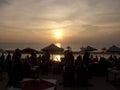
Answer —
70 22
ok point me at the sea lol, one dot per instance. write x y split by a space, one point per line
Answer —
58 57
55 57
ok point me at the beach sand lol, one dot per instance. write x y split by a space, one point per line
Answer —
96 83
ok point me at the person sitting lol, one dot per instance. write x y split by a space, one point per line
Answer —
27 72
82 75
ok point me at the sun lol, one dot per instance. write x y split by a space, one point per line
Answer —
58 34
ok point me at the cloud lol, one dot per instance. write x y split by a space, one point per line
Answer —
81 20
3 2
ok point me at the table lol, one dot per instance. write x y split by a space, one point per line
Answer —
114 72
34 68
35 72
41 84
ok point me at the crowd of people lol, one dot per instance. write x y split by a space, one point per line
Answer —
78 71
18 68
74 71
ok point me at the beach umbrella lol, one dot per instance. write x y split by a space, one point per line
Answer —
89 48
114 49
52 49
29 50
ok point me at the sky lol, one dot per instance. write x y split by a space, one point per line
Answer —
72 23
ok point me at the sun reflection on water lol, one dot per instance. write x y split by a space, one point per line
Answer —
57 58
58 44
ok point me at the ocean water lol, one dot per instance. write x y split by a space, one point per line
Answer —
57 57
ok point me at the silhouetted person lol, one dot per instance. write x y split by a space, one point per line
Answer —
82 75
27 72
69 58
86 58
110 62
47 56
44 66
2 62
43 58
102 66
33 59
78 60
18 67
96 59
117 63
40 59
9 67
68 74
111 58
115 58
28 58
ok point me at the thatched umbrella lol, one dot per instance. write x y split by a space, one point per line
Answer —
114 49
88 48
52 49
29 50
